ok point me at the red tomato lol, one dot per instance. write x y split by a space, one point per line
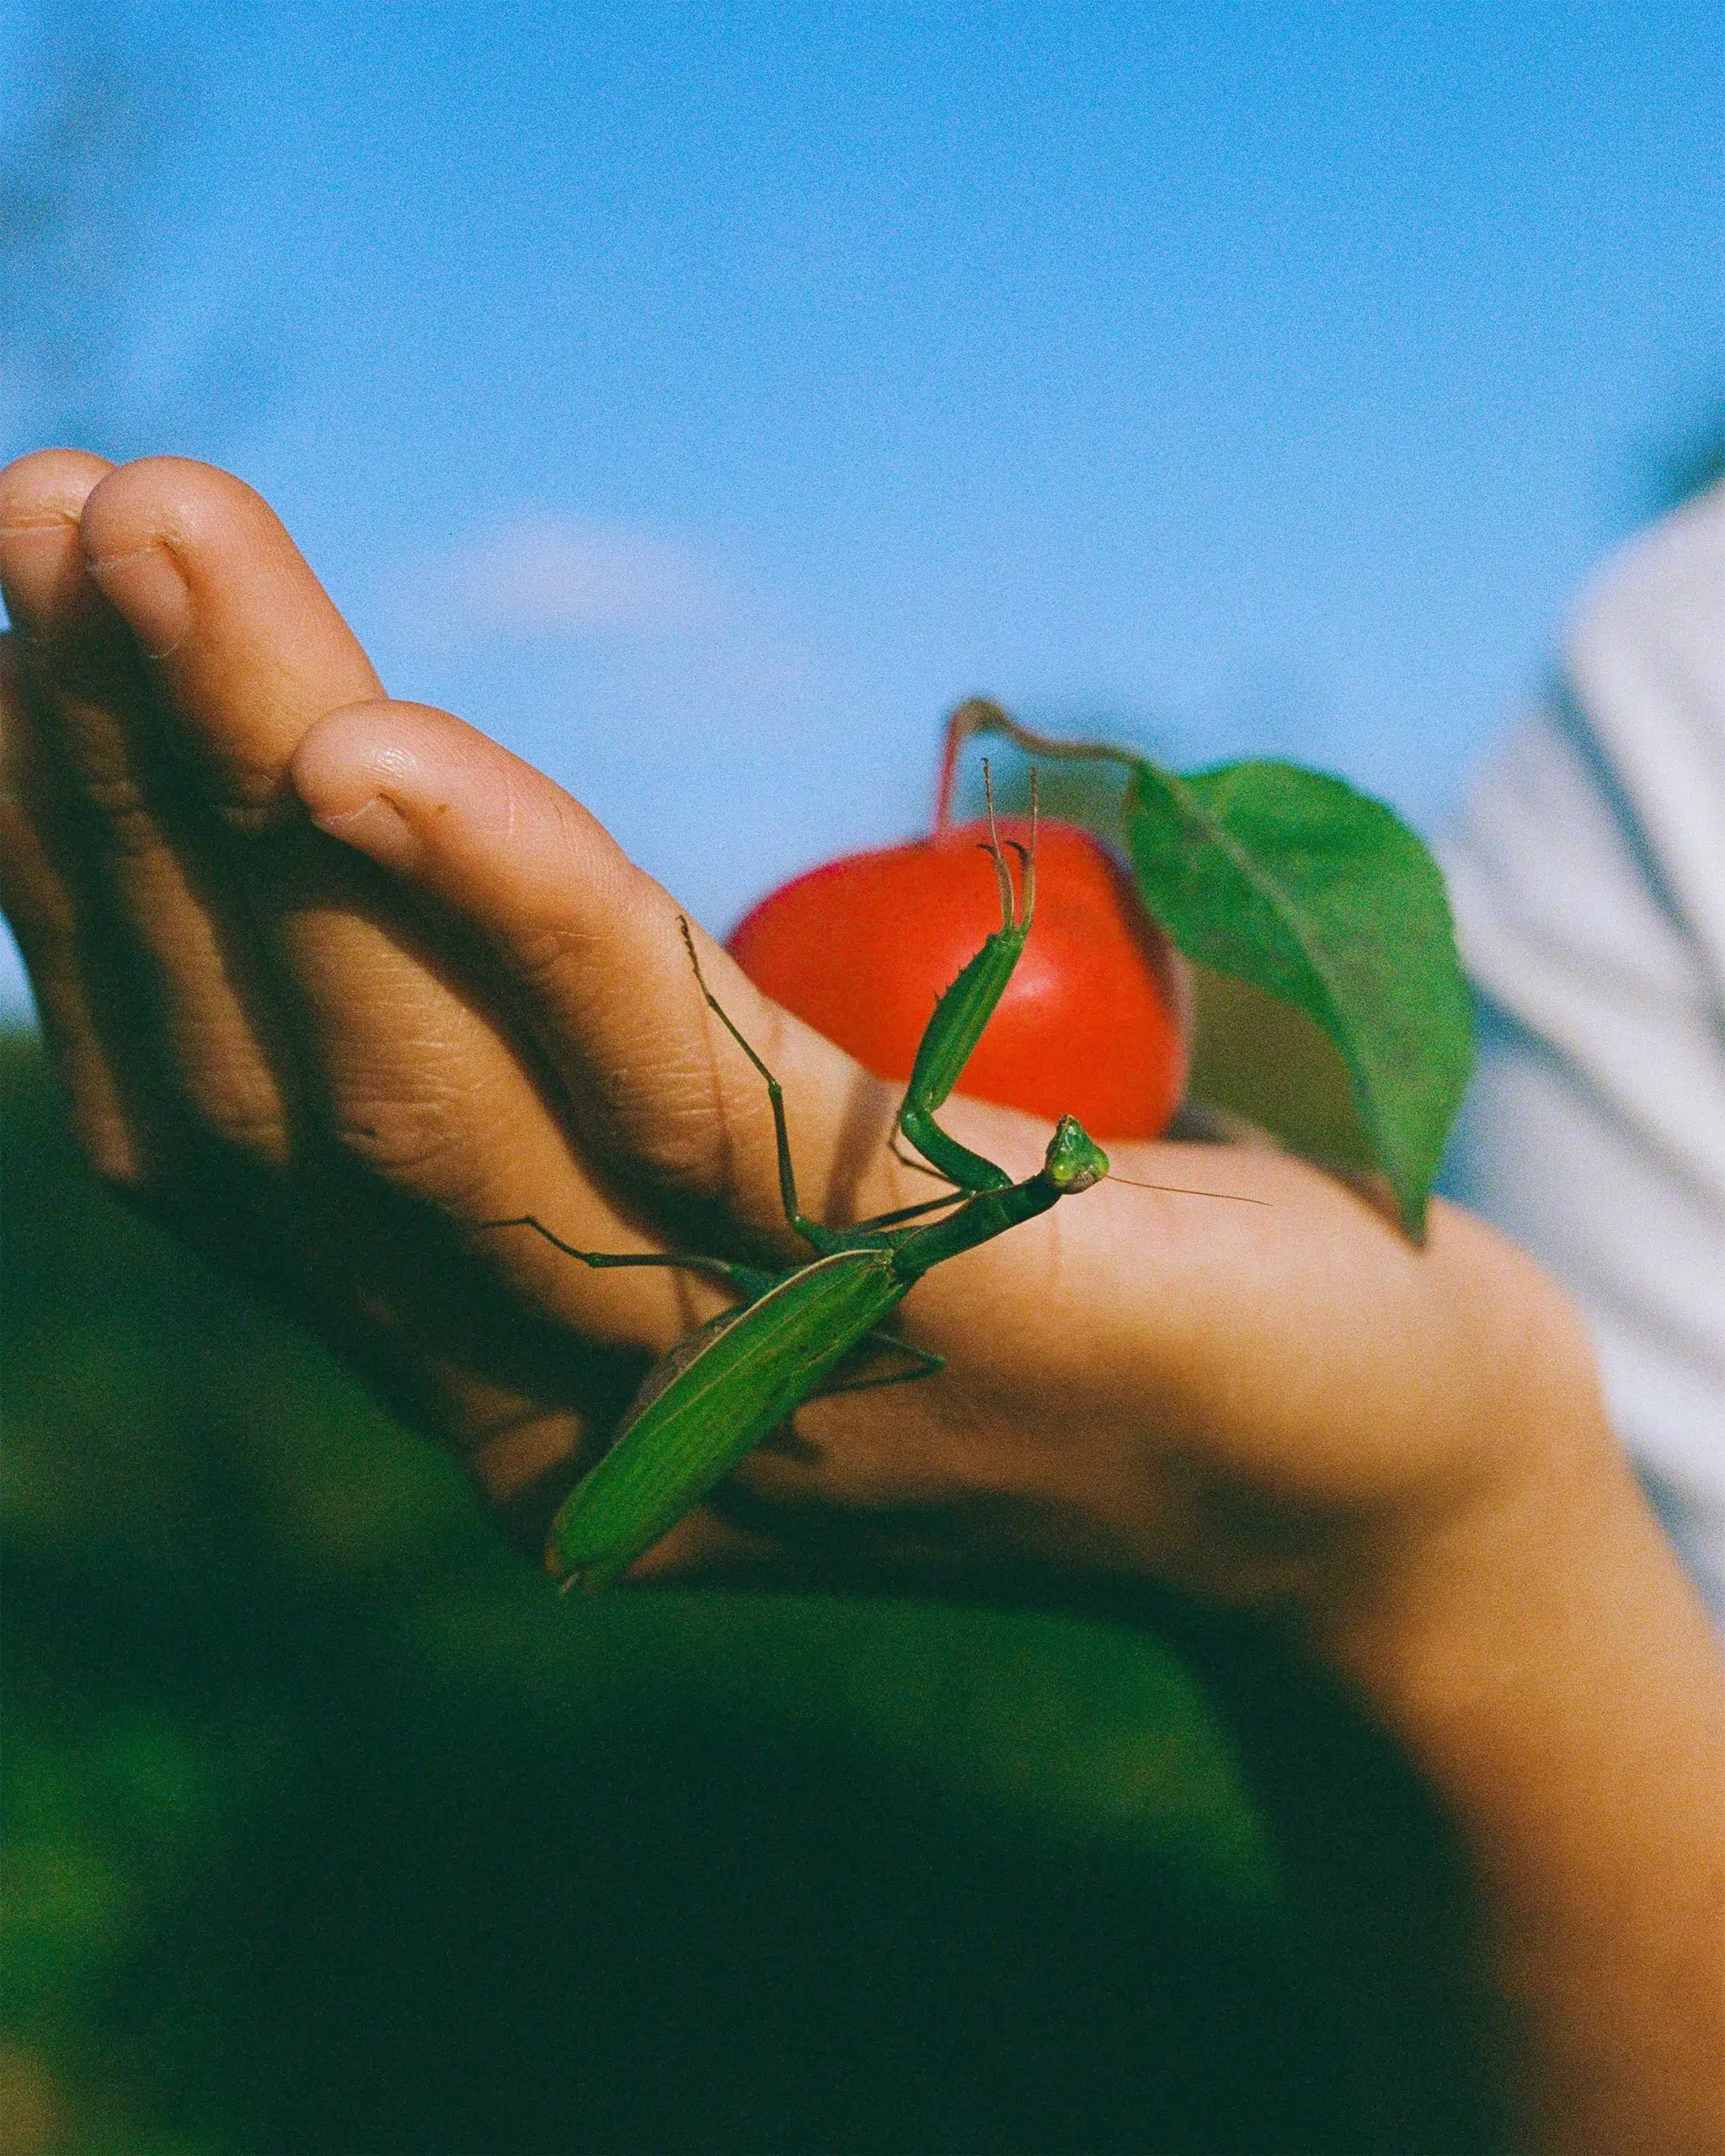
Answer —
1090 1024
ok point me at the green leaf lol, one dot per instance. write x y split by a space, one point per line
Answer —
1295 882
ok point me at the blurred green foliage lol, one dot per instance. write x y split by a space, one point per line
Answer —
328 1827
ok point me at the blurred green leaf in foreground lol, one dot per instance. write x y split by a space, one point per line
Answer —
329 1828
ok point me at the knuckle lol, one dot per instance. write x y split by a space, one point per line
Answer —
111 1152
119 809
680 1135
250 794
424 1142
222 1082
247 1120
539 961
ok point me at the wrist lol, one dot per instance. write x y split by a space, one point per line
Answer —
1447 1608
1551 1671
1533 1513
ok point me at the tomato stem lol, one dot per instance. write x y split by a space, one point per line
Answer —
958 733
980 715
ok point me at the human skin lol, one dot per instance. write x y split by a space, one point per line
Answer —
330 979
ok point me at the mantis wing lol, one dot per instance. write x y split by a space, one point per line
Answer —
710 1402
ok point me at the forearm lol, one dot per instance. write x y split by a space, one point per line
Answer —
1555 1677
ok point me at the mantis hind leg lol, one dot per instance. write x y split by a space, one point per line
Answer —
748 1280
785 1439
923 1365
820 1238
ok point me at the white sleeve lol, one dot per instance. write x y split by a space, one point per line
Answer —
1588 884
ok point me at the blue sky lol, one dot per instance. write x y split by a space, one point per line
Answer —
703 400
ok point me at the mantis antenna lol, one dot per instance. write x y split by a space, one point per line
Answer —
1180 1190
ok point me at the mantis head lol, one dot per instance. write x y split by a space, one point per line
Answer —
1074 1160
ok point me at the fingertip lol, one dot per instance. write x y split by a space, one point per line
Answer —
170 501
42 497
48 489
349 770
414 787
410 754
445 778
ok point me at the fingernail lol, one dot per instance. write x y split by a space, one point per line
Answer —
376 828
151 595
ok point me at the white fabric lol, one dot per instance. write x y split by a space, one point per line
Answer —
1589 884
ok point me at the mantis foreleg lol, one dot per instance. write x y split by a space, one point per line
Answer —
960 1014
826 1239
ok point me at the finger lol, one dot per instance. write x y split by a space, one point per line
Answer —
241 637
592 951
48 912
130 842
167 869
242 650
399 1062
175 702
68 654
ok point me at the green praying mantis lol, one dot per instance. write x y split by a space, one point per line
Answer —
736 1380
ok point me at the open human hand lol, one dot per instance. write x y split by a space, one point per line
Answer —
330 979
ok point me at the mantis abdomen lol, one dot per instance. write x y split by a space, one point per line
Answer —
742 1374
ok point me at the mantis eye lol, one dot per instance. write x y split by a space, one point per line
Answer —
1074 1160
